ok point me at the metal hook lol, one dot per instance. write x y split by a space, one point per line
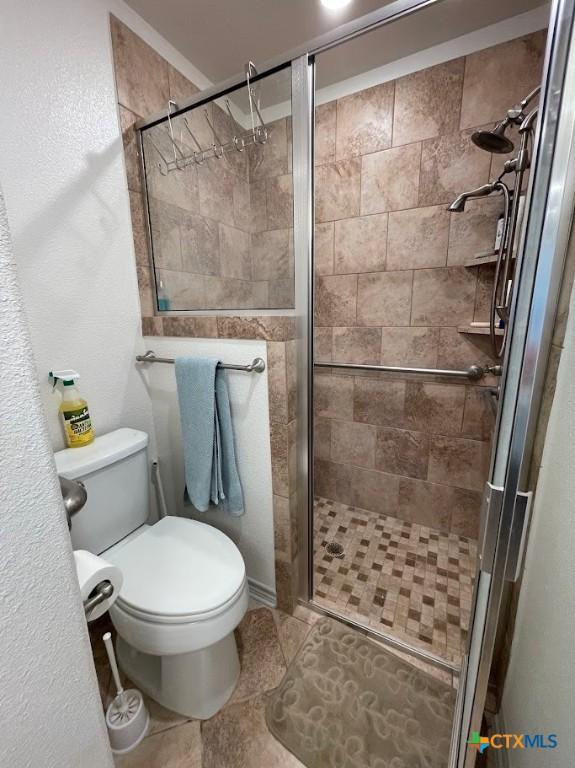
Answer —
259 132
199 156
177 150
239 142
218 152
162 168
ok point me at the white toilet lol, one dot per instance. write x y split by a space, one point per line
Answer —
185 587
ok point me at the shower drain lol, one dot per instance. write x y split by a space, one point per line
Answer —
335 550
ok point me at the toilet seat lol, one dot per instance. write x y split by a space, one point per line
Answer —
178 571
184 589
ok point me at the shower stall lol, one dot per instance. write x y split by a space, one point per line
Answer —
391 200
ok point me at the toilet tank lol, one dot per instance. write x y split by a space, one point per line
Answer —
114 469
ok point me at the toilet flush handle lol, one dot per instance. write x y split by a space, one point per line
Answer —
74 495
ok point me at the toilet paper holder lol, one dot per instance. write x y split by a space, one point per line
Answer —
102 591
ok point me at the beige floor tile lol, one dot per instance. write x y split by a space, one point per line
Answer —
261 658
238 737
179 747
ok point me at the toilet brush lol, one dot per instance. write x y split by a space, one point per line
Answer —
127 718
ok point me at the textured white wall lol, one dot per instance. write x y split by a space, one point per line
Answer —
253 532
49 702
62 166
538 694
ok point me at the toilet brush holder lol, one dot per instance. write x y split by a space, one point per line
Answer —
127 717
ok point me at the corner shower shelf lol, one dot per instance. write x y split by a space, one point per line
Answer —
480 331
480 259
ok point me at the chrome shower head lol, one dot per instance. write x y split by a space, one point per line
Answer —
458 205
495 140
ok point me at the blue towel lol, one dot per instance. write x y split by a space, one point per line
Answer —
209 455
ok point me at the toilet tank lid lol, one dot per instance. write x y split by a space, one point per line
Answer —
105 450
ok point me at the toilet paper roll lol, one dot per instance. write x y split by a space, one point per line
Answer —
91 570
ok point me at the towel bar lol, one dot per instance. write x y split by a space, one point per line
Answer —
257 365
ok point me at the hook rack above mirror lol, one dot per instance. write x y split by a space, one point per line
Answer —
181 154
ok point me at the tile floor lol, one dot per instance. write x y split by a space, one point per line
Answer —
399 578
237 737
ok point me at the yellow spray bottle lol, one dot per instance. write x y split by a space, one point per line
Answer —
76 421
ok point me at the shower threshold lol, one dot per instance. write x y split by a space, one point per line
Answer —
407 584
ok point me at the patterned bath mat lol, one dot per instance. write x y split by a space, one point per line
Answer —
347 703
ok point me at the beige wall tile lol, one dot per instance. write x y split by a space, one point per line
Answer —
458 461
472 231
324 248
291 377
271 256
390 179
277 382
353 443
334 481
443 296
496 78
376 491
337 190
145 287
165 222
194 327
323 343
280 294
324 145
200 242
186 290
280 459
364 121
235 258
450 165
360 244
413 347
279 200
271 158
433 407
139 229
465 512
418 238
384 298
380 402
335 299
425 503
357 345
479 414
141 73
180 188
258 206
402 452
131 149
216 187
333 397
460 350
322 438
427 103
242 205
483 293
181 89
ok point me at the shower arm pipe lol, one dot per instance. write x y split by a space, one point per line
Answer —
473 373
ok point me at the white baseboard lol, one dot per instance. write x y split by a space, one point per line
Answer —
262 594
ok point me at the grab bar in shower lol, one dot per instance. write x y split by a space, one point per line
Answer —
473 373
257 365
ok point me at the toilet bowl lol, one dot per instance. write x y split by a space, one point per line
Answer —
184 585
184 593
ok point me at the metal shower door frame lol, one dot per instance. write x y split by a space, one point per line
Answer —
542 253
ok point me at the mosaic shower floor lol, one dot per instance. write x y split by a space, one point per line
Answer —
405 580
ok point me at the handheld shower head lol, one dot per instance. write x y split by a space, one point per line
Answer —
495 140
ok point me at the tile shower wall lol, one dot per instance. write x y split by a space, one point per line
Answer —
221 232
392 288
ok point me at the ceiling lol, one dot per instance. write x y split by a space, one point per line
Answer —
219 36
